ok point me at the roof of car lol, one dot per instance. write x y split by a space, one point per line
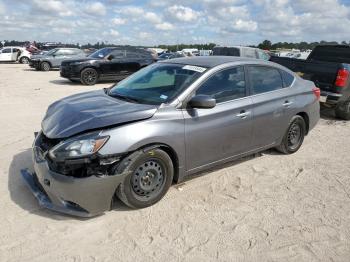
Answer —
208 61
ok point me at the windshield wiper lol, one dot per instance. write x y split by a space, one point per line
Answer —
123 97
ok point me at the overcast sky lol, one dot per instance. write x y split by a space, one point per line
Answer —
151 22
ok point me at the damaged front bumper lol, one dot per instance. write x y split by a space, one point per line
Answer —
78 196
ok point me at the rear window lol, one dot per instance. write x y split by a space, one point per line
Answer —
331 54
287 78
264 79
226 51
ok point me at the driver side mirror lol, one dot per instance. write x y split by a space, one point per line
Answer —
202 101
110 57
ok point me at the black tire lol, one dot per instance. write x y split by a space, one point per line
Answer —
342 110
24 60
150 179
45 66
294 137
89 76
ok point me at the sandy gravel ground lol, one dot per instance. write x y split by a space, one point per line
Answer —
268 207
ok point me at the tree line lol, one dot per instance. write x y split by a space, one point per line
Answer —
266 45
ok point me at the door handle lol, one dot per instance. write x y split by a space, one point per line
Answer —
287 103
243 114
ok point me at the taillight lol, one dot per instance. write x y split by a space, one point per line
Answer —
317 92
342 78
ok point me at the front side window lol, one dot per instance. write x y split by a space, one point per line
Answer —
156 84
6 50
131 54
228 84
117 54
101 53
60 52
264 79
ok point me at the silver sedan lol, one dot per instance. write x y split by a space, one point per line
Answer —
163 123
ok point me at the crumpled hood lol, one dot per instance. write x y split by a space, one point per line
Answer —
91 110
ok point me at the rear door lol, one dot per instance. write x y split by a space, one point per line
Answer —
273 104
132 61
225 130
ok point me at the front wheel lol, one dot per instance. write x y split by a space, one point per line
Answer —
150 178
294 137
45 66
89 76
342 110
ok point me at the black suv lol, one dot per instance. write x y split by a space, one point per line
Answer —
110 63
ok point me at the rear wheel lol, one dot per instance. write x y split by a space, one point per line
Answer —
294 137
151 176
89 76
45 66
342 110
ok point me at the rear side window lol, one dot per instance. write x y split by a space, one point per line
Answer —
226 85
249 52
287 78
264 79
262 55
226 51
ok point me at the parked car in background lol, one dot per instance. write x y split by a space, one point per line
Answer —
190 51
166 56
241 51
110 63
24 56
14 53
205 52
8 54
328 66
54 58
165 122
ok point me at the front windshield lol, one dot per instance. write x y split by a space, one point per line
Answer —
156 84
101 53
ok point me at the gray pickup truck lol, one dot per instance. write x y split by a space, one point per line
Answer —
54 58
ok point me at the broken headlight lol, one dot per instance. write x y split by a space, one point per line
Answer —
80 147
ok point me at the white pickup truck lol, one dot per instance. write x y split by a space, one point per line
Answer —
11 54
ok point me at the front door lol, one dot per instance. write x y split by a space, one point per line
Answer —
112 65
225 130
6 54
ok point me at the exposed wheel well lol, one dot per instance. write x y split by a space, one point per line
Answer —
90 67
172 154
306 119
46 62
